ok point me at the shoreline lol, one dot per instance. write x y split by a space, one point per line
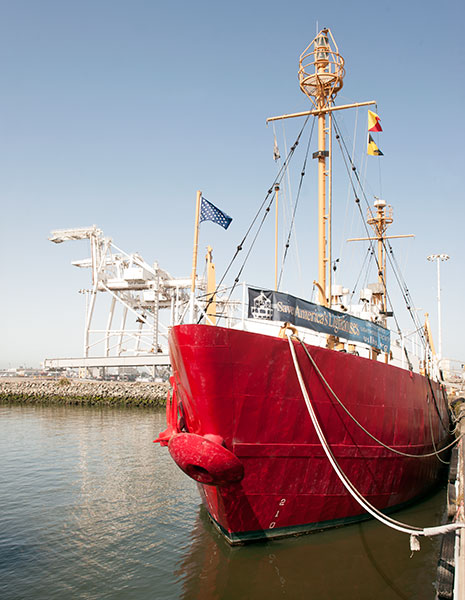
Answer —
85 393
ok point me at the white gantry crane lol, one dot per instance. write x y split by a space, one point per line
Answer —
137 292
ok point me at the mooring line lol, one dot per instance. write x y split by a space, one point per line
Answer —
374 438
414 532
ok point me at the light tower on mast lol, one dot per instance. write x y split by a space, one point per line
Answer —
321 73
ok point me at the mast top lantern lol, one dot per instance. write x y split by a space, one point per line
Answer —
321 70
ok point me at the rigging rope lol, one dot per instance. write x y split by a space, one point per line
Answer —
362 270
413 531
348 190
357 201
395 267
391 257
277 180
289 186
396 270
302 175
333 393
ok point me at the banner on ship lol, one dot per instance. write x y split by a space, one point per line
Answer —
276 306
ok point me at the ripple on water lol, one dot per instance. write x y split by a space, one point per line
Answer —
92 509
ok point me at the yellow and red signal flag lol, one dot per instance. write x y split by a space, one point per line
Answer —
373 148
374 122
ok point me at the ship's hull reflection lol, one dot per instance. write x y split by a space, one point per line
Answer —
363 561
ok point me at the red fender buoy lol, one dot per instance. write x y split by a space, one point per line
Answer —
205 460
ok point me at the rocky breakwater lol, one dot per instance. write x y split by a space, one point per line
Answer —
75 391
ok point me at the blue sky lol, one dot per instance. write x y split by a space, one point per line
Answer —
114 113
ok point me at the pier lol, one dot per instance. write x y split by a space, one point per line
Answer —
450 581
459 587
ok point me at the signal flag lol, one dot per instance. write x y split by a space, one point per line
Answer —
372 148
373 122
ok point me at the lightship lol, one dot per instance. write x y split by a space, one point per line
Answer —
238 423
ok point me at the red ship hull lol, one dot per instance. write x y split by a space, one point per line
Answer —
241 388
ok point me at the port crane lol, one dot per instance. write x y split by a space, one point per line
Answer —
143 301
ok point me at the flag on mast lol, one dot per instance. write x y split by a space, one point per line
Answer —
374 122
209 212
372 148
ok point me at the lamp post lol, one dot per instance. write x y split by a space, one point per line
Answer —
438 258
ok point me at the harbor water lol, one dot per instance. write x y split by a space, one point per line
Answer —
91 508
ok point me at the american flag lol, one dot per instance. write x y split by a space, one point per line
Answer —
209 212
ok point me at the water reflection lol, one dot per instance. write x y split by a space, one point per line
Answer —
92 509
363 561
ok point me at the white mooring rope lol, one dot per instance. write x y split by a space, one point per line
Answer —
332 392
414 532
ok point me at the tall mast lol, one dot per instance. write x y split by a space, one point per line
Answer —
321 71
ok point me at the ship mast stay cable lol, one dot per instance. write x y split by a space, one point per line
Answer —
413 313
374 438
278 179
394 265
414 532
346 156
288 187
291 226
393 262
362 270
